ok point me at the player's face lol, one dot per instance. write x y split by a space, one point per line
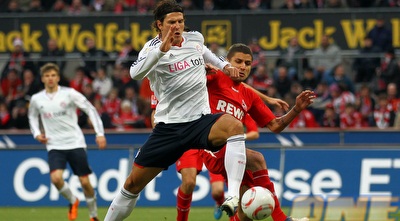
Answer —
242 62
50 79
175 19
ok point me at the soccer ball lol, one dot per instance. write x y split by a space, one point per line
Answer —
258 203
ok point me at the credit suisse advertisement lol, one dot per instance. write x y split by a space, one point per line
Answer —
318 174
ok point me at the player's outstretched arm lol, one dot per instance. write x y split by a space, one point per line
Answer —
303 100
270 100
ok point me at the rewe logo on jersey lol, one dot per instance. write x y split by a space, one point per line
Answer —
230 109
182 65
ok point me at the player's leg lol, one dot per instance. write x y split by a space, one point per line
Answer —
188 165
78 160
230 130
217 192
257 164
123 204
57 162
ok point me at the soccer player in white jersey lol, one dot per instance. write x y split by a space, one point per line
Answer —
63 137
174 62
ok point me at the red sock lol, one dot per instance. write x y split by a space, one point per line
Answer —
234 218
183 205
220 199
261 178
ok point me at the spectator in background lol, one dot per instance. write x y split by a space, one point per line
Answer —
90 94
121 6
329 119
100 6
5 116
389 71
30 85
94 58
289 5
188 5
102 84
260 80
366 62
293 57
393 96
384 115
321 101
11 86
80 79
350 117
257 51
283 82
381 35
217 49
335 4
13 7
365 104
140 107
127 53
19 59
77 8
126 81
107 121
325 58
112 104
305 4
52 53
19 115
309 81
341 96
319 3
126 119
209 6
35 6
339 77
59 6
143 6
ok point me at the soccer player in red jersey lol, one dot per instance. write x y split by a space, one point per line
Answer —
229 95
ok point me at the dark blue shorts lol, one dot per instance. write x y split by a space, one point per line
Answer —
168 142
77 159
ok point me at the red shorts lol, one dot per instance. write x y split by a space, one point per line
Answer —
214 161
190 159
216 177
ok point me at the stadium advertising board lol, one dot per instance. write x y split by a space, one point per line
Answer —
327 180
272 30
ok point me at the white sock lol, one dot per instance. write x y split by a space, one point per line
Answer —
92 205
235 163
122 206
67 194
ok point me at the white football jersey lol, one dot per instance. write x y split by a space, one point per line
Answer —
177 77
59 117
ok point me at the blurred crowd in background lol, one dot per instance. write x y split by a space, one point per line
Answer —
362 94
74 7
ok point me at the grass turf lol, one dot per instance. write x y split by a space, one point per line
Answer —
138 214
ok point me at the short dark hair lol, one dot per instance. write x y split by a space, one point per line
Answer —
235 48
49 66
163 8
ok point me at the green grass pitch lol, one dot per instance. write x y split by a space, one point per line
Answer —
138 214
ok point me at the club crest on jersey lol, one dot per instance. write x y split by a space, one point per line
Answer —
199 48
63 104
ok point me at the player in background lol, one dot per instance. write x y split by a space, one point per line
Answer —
64 140
174 62
230 95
